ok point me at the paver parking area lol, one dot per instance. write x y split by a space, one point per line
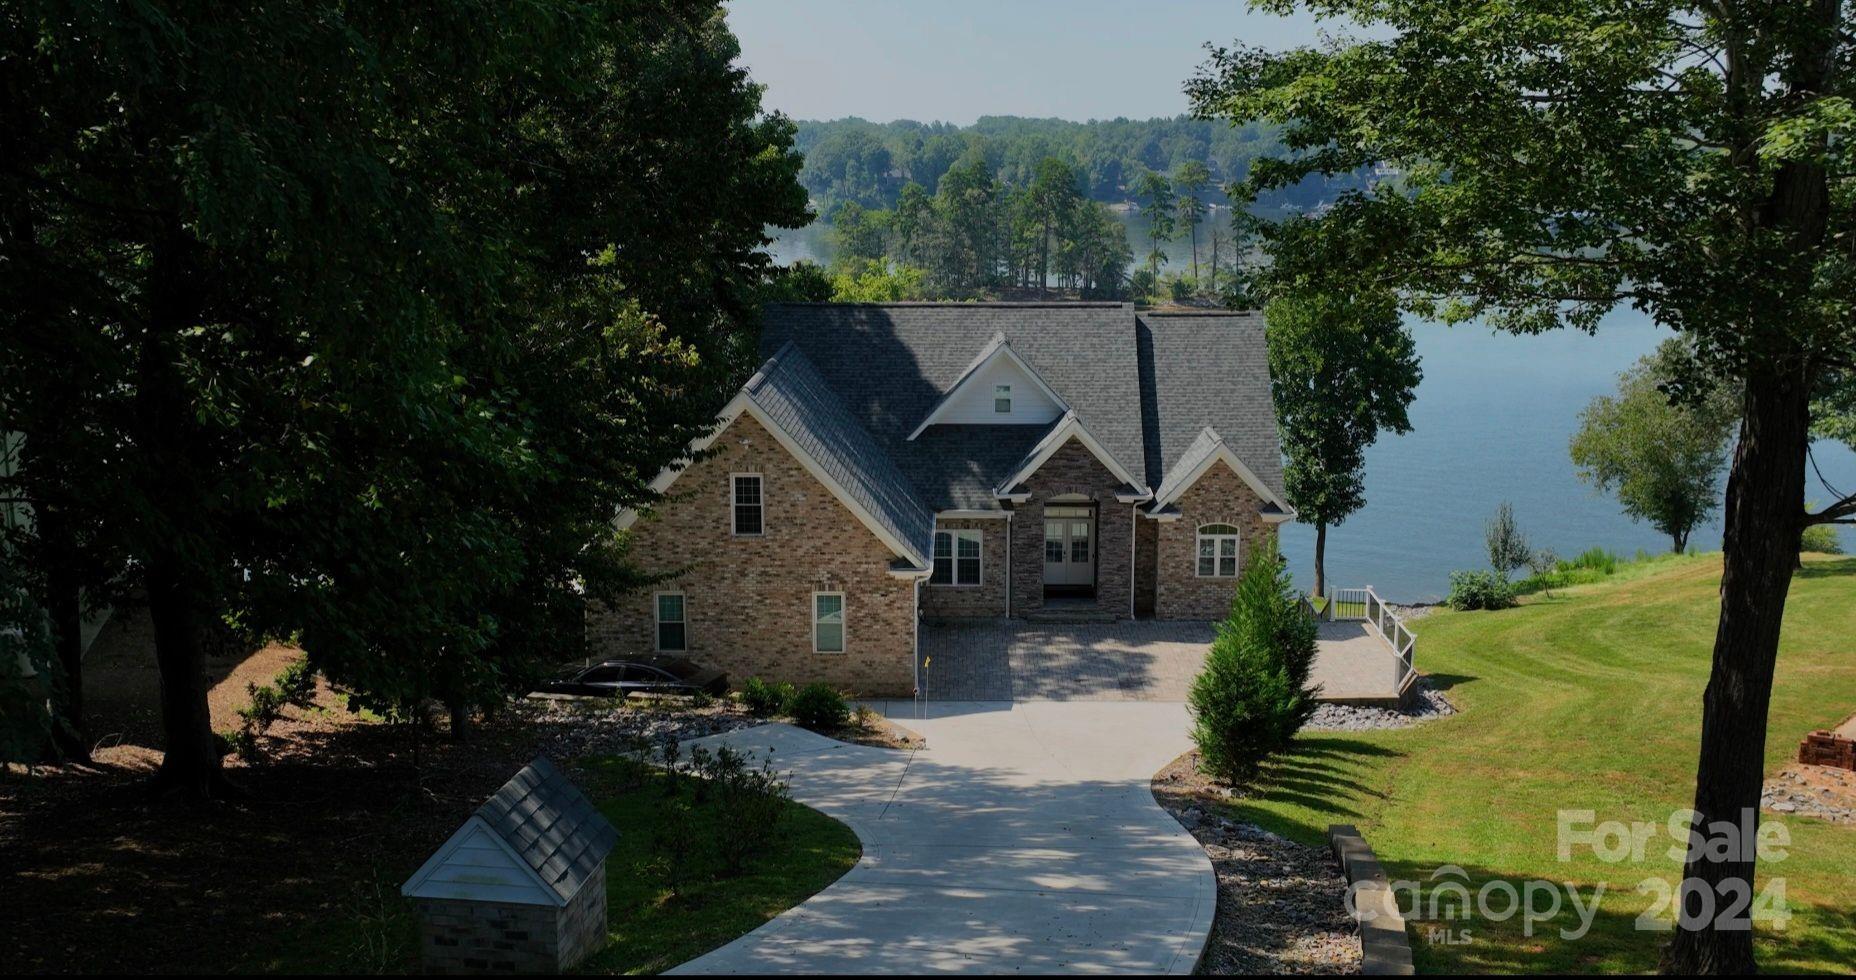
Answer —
1014 660
1006 660
1023 839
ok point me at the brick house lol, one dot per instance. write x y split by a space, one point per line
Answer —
890 463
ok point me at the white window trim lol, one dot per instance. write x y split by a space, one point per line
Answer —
734 531
657 622
955 534
1237 540
844 627
1002 393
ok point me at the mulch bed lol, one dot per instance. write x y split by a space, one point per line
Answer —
1280 903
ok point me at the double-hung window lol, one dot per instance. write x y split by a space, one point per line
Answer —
1002 399
1218 551
956 558
671 625
828 622
746 502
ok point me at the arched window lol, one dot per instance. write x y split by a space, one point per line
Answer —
1218 551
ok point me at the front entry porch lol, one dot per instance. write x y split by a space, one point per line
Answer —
1128 660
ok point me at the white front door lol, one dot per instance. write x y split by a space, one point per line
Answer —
1069 546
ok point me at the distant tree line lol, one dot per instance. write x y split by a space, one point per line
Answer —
871 163
975 234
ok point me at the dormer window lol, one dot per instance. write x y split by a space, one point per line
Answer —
1002 399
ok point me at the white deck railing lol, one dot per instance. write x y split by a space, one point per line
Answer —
1364 605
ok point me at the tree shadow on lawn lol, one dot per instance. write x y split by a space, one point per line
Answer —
1314 775
103 880
1836 568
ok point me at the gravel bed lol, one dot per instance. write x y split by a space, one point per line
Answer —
1427 702
567 728
1812 791
1281 904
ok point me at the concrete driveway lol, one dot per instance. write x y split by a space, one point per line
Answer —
1024 839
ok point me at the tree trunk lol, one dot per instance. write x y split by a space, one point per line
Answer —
1764 520
64 605
190 763
460 719
176 552
1321 559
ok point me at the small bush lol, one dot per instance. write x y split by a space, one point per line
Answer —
1479 590
748 803
1598 559
1252 696
818 705
764 700
1822 538
294 686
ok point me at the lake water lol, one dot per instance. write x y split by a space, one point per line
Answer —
1490 423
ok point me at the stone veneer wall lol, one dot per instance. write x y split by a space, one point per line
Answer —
748 600
986 600
494 937
1220 497
1073 469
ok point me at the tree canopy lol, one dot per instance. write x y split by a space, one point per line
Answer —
1343 369
1663 458
1552 159
362 324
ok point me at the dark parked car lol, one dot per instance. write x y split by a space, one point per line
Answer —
639 675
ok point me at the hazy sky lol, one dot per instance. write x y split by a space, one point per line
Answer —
957 60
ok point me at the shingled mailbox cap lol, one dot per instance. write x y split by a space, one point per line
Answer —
535 842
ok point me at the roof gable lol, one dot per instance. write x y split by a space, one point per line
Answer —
535 841
1206 451
1066 429
789 398
971 399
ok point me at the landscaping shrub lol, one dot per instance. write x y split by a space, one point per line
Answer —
1251 697
748 803
1821 537
1479 590
294 686
764 700
818 705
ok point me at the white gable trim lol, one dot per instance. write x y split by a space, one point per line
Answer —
475 827
733 410
1223 454
1047 447
998 347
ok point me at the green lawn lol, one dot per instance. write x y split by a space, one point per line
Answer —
1588 698
651 930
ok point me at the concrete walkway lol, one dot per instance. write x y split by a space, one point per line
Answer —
1024 839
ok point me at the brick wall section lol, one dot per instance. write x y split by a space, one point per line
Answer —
1146 541
580 928
748 601
1220 497
985 601
1072 469
488 937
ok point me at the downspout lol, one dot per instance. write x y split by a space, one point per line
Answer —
918 638
1008 564
1133 569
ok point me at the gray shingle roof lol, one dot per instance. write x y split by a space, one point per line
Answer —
1145 385
551 824
1205 370
793 394
891 364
